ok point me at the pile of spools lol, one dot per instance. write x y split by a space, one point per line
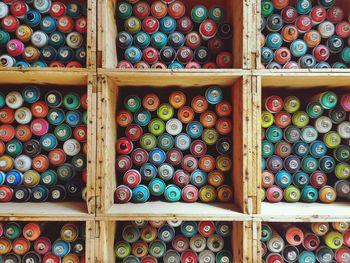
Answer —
304 34
161 34
315 242
42 145
42 34
160 241
34 242
177 146
305 148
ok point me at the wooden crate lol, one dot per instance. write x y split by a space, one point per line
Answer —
241 241
237 12
109 88
90 240
257 233
255 33
91 39
294 83
56 79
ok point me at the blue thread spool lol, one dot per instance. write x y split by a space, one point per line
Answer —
14 178
172 193
166 233
141 39
157 187
31 94
274 40
148 171
48 24
74 118
48 54
167 25
48 142
140 194
301 179
65 54
198 178
189 228
32 18
61 248
318 149
142 117
176 65
300 149
157 156
55 116
309 194
133 54
283 179
39 194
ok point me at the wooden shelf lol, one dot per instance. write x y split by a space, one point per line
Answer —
179 210
72 211
181 78
44 76
304 212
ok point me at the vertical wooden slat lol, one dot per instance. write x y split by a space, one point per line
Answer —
91 37
242 141
255 182
92 129
106 139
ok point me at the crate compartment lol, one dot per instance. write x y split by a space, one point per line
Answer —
33 240
73 206
112 89
298 84
334 57
237 244
235 11
27 45
318 240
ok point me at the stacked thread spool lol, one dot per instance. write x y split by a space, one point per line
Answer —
160 241
167 148
308 34
42 145
34 242
42 34
158 34
315 242
305 148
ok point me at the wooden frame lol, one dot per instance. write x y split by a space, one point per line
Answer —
255 33
64 210
238 12
91 42
257 258
109 87
294 82
241 241
90 229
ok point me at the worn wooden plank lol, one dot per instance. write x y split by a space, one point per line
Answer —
256 144
91 36
92 144
64 211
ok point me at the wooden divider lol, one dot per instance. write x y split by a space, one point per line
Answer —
236 11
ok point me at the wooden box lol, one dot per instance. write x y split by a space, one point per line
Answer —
109 88
236 11
91 39
60 79
90 242
257 223
256 13
299 84
241 241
